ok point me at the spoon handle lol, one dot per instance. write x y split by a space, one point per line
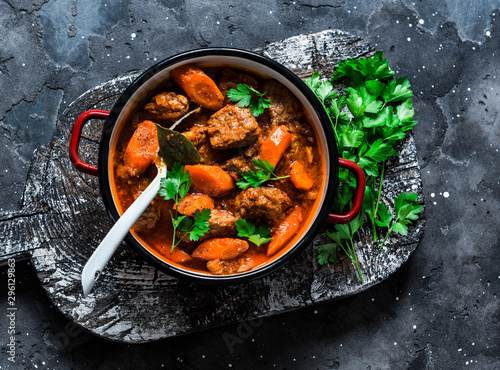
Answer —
110 243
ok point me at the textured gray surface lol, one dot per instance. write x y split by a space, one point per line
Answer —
440 311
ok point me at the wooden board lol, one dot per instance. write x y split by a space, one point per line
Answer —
63 219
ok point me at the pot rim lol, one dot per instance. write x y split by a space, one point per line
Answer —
330 188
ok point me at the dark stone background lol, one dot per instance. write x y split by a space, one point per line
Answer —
440 311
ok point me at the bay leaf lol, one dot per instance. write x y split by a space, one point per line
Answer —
175 147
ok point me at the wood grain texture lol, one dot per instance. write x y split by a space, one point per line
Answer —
63 219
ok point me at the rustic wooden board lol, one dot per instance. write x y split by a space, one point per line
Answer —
63 219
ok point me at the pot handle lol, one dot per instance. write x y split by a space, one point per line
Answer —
76 134
358 196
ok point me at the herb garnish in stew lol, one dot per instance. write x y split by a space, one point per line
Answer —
247 96
176 186
254 179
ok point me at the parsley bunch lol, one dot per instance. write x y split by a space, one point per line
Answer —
176 186
369 118
247 96
251 179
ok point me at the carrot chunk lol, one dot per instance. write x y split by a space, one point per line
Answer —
198 86
299 177
275 145
191 202
285 231
220 248
210 180
141 149
178 255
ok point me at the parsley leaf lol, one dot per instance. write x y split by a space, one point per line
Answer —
380 151
397 90
251 179
351 137
247 96
407 210
199 225
327 253
264 165
258 236
384 215
176 186
360 70
241 94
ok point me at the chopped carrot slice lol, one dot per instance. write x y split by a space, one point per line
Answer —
142 148
198 86
210 180
285 231
178 255
299 176
220 248
191 202
275 145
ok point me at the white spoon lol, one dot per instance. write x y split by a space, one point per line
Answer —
110 243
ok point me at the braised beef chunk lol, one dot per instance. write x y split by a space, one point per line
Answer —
236 165
262 203
232 127
197 135
149 219
168 105
237 265
222 223
285 107
229 79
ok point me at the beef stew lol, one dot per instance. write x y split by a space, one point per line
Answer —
229 139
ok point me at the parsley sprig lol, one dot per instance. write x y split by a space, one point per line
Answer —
369 118
343 237
176 186
247 96
407 210
251 179
258 236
